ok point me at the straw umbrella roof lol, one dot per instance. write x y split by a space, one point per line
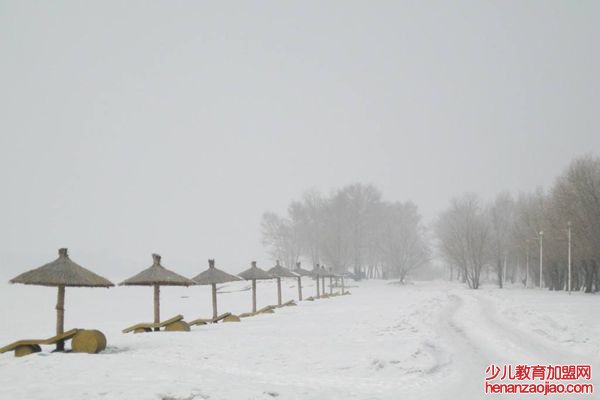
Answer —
214 276
62 272
302 272
156 274
255 273
280 272
316 271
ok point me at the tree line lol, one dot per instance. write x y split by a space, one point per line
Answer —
526 238
353 229
521 239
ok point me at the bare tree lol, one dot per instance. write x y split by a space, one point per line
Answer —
349 230
463 233
281 237
404 245
307 216
576 199
530 218
501 223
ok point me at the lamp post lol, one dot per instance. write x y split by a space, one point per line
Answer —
569 256
526 263
541 258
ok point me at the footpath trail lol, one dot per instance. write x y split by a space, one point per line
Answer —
478 331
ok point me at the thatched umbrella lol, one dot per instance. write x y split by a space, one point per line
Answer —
213 276
301 272
61 273
157 275
253 274
280 272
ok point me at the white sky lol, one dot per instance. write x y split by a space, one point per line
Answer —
170 127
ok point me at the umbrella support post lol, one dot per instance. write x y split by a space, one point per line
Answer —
323 285
60 317
318 288
330 285
253 295
278 291
214 300
343 289
156 306
299 288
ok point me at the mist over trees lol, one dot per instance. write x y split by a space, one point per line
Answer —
509 238
353 229
519 239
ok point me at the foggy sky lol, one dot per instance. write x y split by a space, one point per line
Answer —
170 127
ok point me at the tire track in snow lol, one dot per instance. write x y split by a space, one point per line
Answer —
457 373
501 343
512 343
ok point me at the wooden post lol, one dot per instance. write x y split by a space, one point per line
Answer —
214 300
343 290
60 317
299 288
323 285
330 285
318 288
253 295
156 305
278 291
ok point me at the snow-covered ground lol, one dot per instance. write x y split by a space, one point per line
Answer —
428 340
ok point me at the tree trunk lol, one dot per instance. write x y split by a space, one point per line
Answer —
214 300
587 270
403 276
60 317
596 275
299 288
156 305
499 272
278 291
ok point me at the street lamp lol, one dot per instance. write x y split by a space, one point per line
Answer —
526 263
569 262
541 258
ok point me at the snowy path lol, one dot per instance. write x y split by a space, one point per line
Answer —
423 341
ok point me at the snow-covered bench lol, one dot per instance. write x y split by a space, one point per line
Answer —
173 324
82 341
287 304
226 317
264 310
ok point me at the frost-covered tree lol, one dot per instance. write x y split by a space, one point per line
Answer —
404 245
576 199
281 238
463 233
500 214
353 229
530 219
